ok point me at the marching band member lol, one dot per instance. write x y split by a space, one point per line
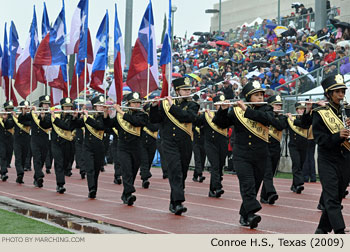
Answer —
39 140
332 137
129 125
215 144
9 136
268 193
176 118
6 125
21 141
297 147
251 147
62 125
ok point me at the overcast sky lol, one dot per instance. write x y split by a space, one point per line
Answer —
190 15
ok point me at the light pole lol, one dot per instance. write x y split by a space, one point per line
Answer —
212 11
173 10
220 18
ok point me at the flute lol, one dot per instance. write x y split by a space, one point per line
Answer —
123 107
343 112
68 111
235 103
164 98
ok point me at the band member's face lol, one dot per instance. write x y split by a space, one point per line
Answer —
184 91
9 109
257 97
338 95
67 107
99 107
300 111
135 104
277 107
46 106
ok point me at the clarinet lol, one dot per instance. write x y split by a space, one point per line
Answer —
343 112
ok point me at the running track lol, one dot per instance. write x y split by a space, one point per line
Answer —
292 213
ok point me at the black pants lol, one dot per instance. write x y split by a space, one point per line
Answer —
9 149
117 169
216 153
147 155
178 156
28 163
79 156
21 146
93 161
130 160
199 158
61 154
309 171
3 161
250 167
39 145
332 172
162 157
70 157
272 162
49 157
298 155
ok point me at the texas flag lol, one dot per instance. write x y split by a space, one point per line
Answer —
116 89
24 62
78 79
144 53
100 56
2 89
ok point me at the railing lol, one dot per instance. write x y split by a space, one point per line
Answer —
310 80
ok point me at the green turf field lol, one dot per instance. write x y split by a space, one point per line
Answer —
12 223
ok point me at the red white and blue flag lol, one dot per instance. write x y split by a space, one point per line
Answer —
144 53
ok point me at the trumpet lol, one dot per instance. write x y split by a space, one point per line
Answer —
235 103
345 117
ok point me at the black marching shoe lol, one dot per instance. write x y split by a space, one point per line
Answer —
69 173
38 182
48 171
320 231
102 169
129 200
165 176
4 177
216 194
117 181
60 189
19 179
25 169
92 194
264 201
171 207
145 183
82 175
320 207
243 221
195 179
253 220
299 189
272 198
179 209
201 179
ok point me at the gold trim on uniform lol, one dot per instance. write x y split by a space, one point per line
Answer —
151 133
333 123
37 122
65 134
213 125
115 131
12 130
258 129
276 134
187 127
97 133
310 134
300 131
21 126
128 127
198 130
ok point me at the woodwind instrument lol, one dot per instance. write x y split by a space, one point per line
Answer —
174 98
123 107
235 103
343 112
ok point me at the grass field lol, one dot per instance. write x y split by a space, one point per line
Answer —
12 223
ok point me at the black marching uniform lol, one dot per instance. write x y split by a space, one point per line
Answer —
297 148
79 154
268 193
333 158
5 126
61 141
21 145
116 163
250 150
129 128
39 140
176 133
198 153
149 137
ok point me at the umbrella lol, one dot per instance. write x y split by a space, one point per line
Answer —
219 38
279 30
258 50
194 76
344 43
198 33
314 46
325 43
251 74
222 43
212 50
301 48
342 25
206 33
154 94
271 25
176 75
206 70
260 63
277 54
238 45
212 43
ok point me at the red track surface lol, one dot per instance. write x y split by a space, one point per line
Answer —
292 213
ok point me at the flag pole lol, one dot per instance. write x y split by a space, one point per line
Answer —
68 80
31 79
170 79
10 86
106 86
148 81
85 72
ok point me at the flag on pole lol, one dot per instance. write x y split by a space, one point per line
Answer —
14 49
100 56
2 93
137 75
23 64
116 89
45 23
